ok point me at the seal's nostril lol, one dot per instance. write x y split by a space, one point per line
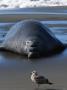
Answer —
33 49
33 45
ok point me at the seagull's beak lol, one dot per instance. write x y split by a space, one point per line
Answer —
31 73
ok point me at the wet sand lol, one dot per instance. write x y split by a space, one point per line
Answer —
15 71
42 13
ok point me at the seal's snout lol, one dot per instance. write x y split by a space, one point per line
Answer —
33 52
31 48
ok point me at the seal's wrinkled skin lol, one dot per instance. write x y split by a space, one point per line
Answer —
32 38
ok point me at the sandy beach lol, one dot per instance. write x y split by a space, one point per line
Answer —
15 69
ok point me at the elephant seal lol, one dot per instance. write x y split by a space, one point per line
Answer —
32 38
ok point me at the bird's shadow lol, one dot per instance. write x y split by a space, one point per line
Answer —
47 89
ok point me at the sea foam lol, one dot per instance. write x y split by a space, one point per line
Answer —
31 3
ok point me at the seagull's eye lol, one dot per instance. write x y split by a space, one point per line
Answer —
27 42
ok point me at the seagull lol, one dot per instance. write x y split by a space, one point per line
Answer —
38 80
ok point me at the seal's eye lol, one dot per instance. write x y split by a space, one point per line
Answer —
29 43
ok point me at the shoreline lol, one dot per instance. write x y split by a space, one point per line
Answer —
14 17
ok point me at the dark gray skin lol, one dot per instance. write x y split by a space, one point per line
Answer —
32 38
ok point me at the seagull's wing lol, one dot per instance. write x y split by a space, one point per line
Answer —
41 80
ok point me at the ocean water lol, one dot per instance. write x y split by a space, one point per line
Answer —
31 3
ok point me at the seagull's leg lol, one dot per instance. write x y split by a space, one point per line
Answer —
35 86
38 86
